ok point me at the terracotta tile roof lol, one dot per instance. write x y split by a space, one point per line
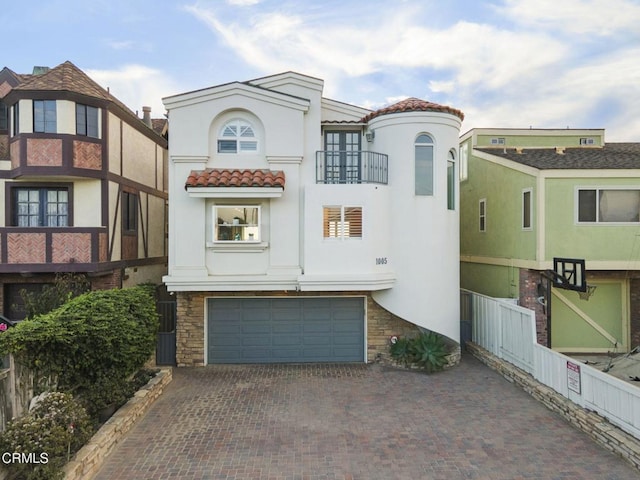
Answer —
413 105
213 177
611 156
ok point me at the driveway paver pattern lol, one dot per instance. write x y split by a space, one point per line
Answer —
354 421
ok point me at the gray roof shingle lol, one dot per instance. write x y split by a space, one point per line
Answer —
611 156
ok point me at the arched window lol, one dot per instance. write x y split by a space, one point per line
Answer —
451 180
237 136
424 164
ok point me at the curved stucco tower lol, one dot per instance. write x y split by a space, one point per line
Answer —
421 139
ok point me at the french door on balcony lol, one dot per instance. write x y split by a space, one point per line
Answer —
343 158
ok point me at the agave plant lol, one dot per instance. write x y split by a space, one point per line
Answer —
429 351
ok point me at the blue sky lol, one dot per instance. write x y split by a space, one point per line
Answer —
504 63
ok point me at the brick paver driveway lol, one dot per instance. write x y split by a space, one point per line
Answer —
354 422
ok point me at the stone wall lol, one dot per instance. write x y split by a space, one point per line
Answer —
381 324
598 428
88 460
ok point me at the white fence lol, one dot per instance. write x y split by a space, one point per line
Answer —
509 332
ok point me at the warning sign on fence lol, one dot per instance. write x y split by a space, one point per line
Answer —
573 376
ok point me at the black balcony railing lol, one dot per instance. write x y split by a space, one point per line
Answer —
351 167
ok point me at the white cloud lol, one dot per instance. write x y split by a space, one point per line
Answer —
598 17
243 3
137 86
121 45
500 74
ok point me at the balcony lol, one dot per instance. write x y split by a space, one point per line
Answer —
52 249
351 167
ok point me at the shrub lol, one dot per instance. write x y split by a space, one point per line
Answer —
427 351
57 427
64 288
91 345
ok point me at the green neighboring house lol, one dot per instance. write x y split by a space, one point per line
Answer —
529 195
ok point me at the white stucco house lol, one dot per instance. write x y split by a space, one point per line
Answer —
303 229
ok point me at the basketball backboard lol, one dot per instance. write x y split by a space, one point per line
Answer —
570 274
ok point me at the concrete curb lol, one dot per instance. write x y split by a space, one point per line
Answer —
88 460
597 427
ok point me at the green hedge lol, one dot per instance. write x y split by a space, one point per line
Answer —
91 345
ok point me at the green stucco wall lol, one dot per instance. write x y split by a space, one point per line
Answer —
502 188
569 331
492 280
566 238
550 141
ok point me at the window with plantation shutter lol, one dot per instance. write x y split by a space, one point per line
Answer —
342 222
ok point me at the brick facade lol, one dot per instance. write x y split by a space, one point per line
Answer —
529 281
190 341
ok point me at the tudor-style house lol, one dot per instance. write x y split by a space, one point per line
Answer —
83 184
303 229
531 195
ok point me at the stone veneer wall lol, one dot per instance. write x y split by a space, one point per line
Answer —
381 324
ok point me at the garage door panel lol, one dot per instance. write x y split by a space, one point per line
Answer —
316 327
286 330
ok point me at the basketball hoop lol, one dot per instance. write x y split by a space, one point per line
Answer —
586 294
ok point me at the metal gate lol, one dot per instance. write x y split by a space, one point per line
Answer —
166 346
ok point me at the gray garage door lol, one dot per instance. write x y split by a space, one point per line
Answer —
285 330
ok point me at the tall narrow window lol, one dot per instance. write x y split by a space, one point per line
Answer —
237 136
342 222
451 181
44 116
526 209
129 213
15 121
482 214
4 117
424 165
86 120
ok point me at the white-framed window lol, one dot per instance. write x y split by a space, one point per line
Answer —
464 161
339 221
424 164
527 209
451 181
587 141
236 223
482 214
237 136
498 141
608 205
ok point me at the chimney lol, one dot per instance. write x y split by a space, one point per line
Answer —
146 116
37 70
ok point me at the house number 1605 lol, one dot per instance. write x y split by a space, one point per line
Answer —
381 261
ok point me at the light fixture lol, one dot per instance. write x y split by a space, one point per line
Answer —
370 135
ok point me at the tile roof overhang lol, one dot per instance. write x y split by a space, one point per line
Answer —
414 105
230 183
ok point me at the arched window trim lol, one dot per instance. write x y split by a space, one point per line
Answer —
424 164
237 136
451 180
